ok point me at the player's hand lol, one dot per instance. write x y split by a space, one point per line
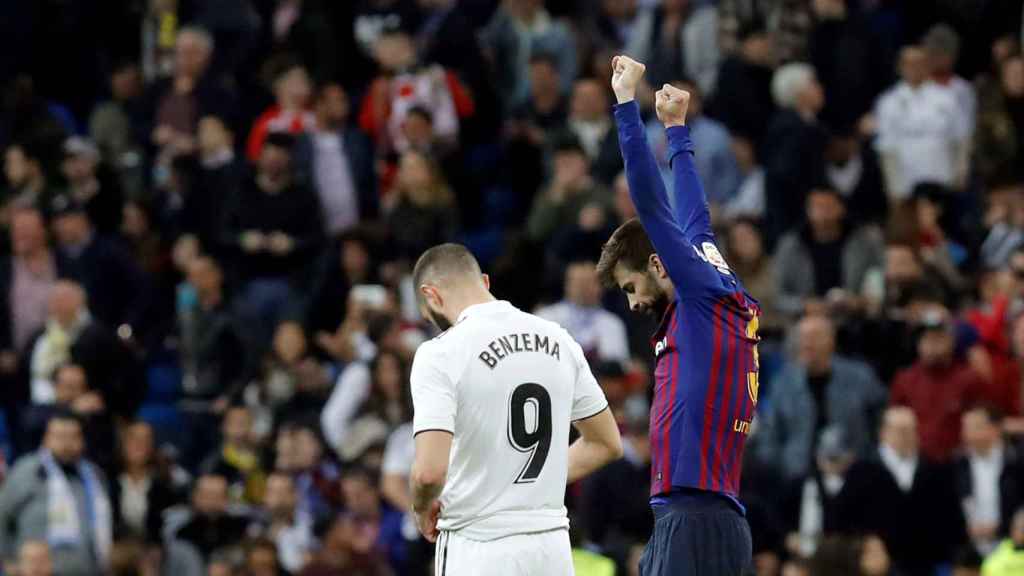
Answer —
671 103
626 75
427 521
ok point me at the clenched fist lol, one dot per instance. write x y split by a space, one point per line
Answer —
671 103
626 75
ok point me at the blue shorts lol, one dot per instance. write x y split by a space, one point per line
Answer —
698 534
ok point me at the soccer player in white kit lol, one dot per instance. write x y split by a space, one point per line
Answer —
494 397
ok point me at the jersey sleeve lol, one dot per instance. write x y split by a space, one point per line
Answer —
692 211
433 392
690 274
587 397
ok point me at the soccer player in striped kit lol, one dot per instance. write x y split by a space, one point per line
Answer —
706 370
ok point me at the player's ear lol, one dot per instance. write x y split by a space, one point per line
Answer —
654 265
487 281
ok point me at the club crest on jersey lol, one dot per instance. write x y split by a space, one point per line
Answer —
709 253
660 347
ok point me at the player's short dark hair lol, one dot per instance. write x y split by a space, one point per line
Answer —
281 140
62 414
629 245
444 260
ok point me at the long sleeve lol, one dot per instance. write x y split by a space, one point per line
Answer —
351 390
692 211
691 275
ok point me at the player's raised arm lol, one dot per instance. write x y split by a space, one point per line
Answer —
692 212
688 271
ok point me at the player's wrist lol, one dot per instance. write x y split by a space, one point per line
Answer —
625 96
674 123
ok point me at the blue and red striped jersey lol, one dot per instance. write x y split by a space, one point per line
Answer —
706 372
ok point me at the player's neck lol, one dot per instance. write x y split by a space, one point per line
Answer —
463 301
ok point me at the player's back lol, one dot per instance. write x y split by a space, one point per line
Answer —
515 382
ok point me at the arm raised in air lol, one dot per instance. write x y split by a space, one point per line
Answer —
690 273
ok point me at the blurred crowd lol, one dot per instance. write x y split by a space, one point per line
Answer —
210 209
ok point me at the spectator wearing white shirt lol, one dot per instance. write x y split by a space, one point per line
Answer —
285 524
922 133
601 333
942 45
337 159
989 478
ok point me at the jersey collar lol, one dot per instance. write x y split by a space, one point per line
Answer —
483 308
666 320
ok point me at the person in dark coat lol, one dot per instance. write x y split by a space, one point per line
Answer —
272 229
793 147
743 99
989 478
216 178
92 185
139 493
211 526
903 497
337 160
118 289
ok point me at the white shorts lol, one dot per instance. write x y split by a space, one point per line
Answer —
541 554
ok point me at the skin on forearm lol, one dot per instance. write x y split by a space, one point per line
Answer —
424 494
586 458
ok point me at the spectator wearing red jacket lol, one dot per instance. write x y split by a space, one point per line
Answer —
406 84
291 114
937 387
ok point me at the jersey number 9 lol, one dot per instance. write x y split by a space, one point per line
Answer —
538 441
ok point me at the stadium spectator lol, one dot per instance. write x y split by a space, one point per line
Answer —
113 126
747 256
139 492
410 84
300 452
601 334
71 335
570 189
289 115
942 45
380 524
793 147
27 277
293 384
177 103
27 182
237 461
119 292
852 169
518 31
210 525
73 394
284 524
937 377
743 100
904 498
99 192
818 389
823 265
590 121
989 478
812 513
424 211
999 136
56 495
546 111
677 39
923 135
338 159
217 177
272 227
345 551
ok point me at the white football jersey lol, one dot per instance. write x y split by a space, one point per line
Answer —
507 385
